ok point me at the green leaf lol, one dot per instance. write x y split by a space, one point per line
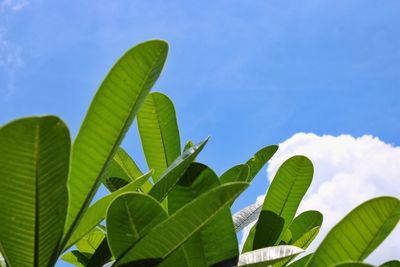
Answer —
111 113
97 212
246 216
122 171
267 256
353 264
159 133
259 159
175 171
130 217
77 258
305 222
90 242
284 195
303 242
34 160
215 242
237 173
101 256
180 226
393 263
301 262
358 233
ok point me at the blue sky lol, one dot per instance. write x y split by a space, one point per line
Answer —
248 73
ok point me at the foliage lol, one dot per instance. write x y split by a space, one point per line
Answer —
182 216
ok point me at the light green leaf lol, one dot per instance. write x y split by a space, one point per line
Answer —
122 171
303 242
34 160
301 262
237 173
97 212
259 159
175 171
159 133
130 217
77 258
181 226
284 195
267 256
90 242
353 264
358 233
246 216
111 113
304 223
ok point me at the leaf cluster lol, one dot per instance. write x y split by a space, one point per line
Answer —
175 214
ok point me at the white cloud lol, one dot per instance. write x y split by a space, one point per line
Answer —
347 172
10 61
14 5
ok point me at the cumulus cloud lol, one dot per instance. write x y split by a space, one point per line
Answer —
347 172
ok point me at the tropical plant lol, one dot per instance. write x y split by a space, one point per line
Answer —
179 217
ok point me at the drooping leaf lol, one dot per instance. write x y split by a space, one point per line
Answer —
159 133
246 216
34 160
267 256
259 159
108 119
281 202
76 258
97 212
175 171
304 223
216 242
181 226
238 173
358 233
130 217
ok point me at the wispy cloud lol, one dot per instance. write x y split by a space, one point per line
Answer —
10 53
348 171
14 5
10 61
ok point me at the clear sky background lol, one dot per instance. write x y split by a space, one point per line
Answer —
322 78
